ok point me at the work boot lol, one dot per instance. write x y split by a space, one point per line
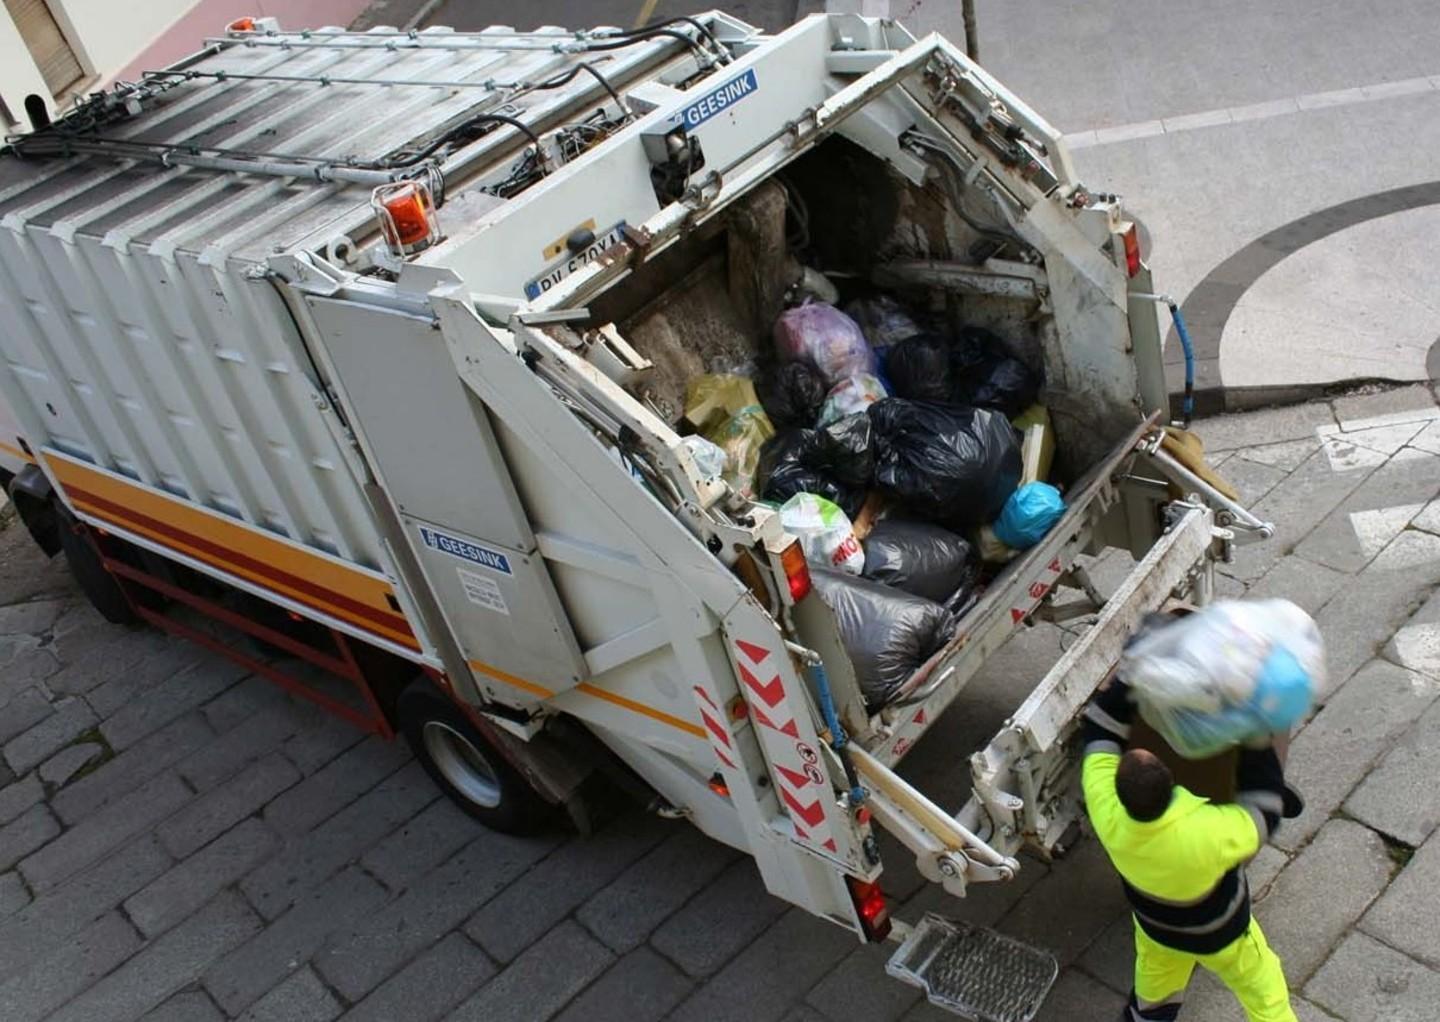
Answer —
1159 1013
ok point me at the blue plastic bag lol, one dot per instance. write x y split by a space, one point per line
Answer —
1028 515
1283 694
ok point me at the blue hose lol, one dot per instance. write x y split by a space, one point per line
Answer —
1187 405
838 738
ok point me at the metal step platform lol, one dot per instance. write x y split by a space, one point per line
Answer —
974 972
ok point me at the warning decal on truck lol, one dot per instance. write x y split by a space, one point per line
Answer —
792 757
466 550
483 592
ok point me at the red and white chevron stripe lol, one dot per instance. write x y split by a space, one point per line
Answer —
799 778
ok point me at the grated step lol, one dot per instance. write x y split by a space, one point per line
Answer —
974 972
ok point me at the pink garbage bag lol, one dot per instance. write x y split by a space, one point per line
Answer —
826 338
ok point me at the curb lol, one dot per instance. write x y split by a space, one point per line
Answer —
1212 401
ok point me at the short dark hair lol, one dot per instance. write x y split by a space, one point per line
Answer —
1144 784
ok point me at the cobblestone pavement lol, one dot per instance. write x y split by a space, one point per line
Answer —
181 842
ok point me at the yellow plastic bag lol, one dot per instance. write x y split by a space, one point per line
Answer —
725 411
713 398
741 436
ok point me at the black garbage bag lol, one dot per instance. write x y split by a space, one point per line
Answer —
950 463
1002 383
791 394
883 320
785 470
919 369
845 451
972 346
921 558
888 633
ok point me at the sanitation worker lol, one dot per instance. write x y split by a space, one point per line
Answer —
1182 860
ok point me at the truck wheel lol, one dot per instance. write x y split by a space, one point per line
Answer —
464 763
100 587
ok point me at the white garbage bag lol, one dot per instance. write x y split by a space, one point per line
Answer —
825 533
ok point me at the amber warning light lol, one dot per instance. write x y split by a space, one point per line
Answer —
797 572
406 212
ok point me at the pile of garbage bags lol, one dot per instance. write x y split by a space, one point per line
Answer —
887 442
1231 673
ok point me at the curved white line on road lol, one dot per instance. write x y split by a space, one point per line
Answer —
1253 112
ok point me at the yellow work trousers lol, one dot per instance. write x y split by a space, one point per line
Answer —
1246 965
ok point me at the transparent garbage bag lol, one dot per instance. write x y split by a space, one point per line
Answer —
851 395
1233 672
742 437
709 457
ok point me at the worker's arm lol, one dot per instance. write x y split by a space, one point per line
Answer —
1238 830
1104 730
1260 783
1106 719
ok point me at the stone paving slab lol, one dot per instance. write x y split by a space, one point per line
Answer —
1404 917
1400 797
1359 724
1321 893
1365 981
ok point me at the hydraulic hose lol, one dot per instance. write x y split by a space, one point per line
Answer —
1187 403
839 740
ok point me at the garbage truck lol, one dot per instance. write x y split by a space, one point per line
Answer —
369 350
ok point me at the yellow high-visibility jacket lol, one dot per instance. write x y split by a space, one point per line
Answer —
1183 872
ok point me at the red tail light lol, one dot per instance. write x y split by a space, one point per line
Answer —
1132 251
797 572
870 905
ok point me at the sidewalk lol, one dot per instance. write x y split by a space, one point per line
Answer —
180 842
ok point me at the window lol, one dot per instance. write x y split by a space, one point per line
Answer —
47 44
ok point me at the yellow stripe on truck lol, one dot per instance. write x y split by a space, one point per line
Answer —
593 691
350 594
15 452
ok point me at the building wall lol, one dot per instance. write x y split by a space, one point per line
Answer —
117 39
18 74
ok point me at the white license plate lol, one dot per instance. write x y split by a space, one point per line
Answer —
568 264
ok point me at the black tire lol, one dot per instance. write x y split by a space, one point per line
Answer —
100 587
465 765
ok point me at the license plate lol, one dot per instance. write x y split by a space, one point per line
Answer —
568 264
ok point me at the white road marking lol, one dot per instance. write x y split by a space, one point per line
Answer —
1253 112
1418 648
1346 456
1366 442
1375 529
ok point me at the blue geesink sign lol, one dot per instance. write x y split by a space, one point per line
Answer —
466 551
719 100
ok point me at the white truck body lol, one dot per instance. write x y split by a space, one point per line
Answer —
467 457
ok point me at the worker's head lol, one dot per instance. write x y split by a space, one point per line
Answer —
1144 785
